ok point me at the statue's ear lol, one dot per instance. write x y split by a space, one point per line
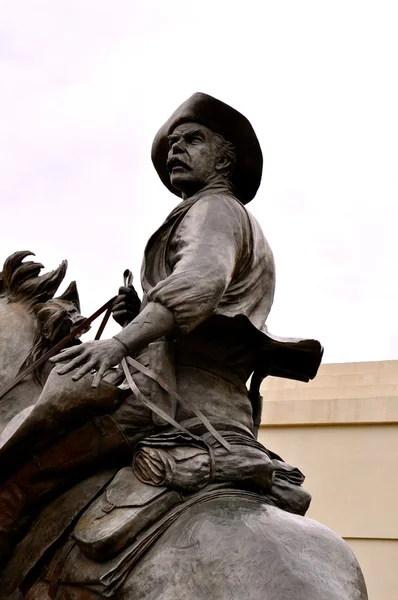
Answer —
223 162
71 295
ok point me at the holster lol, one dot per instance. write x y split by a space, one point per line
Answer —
161 361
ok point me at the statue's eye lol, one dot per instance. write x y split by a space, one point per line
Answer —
195 139
172 140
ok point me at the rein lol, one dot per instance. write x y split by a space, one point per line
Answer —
148 372
61 345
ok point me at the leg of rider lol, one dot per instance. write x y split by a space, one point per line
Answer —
62 405
94 445
71 457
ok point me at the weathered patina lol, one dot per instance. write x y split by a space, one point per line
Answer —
152 468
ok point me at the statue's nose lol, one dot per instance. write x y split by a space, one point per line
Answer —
177 147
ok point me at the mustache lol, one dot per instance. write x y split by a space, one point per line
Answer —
175 161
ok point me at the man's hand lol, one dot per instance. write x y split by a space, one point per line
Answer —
127 306
97 356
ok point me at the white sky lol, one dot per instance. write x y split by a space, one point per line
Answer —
85 84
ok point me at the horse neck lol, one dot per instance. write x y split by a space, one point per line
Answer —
17 332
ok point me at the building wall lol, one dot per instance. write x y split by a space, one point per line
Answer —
341 430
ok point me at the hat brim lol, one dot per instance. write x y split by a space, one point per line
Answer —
226 121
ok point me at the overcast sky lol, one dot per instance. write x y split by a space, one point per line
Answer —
85 84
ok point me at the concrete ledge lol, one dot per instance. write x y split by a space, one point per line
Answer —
374 366
330 379
336 411
365 379
314 392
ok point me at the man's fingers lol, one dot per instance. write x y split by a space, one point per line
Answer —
83 371
124 291
127 291
66 354
122 305
73 364
122 313
125 301
128 295
123 316
98 376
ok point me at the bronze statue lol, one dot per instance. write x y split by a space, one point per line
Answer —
133 471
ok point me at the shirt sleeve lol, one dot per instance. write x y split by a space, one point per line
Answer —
207 247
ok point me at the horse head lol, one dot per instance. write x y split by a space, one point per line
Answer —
32 320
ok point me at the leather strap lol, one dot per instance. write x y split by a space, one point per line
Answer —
56 569
161 413
151 405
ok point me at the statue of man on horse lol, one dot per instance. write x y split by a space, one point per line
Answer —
156 426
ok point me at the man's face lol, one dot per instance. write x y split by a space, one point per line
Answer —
192 157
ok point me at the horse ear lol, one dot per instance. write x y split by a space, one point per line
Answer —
38 307
71 295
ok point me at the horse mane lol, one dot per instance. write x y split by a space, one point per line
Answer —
22 282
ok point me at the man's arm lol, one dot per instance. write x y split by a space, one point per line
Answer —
208 247
151 324
207 251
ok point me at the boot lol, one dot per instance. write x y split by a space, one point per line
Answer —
91 447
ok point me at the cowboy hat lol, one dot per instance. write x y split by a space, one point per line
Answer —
226 121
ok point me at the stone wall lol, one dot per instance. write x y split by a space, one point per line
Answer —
341 430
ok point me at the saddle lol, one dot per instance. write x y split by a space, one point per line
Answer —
170 469
135 505
107 578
